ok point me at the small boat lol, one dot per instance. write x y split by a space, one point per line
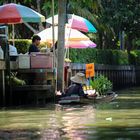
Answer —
70 99
90 99
106 98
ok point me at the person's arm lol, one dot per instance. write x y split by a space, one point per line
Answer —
81 92
37 49
30 49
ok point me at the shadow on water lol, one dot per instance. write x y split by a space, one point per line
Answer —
114 133
19 134
118 120
121 103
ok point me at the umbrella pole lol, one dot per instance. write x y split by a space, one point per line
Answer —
67 48
53 45
13 34
8 70
53 35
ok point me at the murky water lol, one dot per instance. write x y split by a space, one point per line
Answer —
118 120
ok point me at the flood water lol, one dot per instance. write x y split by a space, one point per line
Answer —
117 120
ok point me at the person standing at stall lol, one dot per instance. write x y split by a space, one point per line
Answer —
34 47
35 43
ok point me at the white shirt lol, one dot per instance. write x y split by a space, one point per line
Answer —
13 50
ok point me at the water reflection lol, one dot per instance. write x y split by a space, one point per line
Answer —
118 120
76 121
69 122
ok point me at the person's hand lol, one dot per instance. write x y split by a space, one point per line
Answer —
58 93
91 93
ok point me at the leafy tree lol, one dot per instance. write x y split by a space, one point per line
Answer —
123 16
110 17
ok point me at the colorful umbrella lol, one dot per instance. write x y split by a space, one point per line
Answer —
80 44
70 35
76 22
15 13
76 39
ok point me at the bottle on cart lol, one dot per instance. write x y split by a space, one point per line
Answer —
1 53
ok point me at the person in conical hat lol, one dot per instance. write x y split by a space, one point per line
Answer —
76 87
79 78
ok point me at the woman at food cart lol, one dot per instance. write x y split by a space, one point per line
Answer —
34 47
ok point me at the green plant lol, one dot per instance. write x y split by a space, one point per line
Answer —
135 57
108 57
101 84
119 57
15 81
23 45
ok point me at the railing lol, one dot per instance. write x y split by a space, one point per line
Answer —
120 76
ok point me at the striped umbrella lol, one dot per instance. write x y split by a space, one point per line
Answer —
76 22
80 44
75 39
15 13
75 35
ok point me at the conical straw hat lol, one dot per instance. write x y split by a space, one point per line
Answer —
79 78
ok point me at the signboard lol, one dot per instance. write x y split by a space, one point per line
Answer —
90 71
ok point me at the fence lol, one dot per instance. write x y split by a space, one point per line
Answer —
120 76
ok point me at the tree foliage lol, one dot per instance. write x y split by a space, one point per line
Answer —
110 17
123 16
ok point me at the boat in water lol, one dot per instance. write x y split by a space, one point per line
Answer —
75 99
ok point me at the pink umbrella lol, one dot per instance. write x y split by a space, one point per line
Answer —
76 22
80 44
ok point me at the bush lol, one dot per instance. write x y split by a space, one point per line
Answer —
23 45
104 57
101 84
132 57
83 55
135 57
119 57
90 55
110 57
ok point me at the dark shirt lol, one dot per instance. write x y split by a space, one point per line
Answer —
75 89
53 47
33 48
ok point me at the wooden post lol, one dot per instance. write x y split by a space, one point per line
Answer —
7 60
61 43
54 52
3 86
53 36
